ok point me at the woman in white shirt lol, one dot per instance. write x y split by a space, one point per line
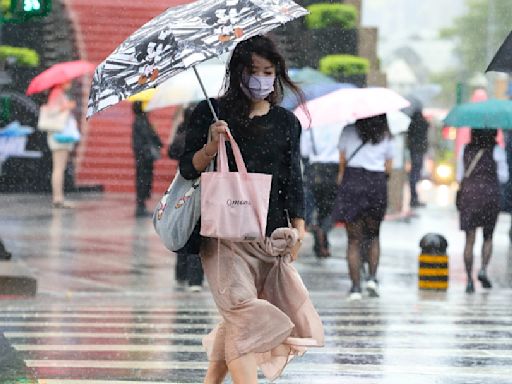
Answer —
366 152
479 201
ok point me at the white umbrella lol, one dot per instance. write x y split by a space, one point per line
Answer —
185 89
398 122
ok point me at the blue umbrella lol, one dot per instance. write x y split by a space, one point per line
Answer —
307 75
489 114
15 129
312 91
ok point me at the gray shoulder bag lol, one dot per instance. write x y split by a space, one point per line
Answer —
179 210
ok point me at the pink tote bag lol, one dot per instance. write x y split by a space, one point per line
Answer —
234 205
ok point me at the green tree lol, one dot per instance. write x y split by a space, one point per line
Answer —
480 32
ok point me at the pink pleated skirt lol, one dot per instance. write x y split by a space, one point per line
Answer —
263 302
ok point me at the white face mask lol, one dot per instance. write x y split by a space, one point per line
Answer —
258 87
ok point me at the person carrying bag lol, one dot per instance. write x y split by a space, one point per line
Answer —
247 247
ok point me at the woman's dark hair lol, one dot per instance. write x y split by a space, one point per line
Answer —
484 138
373 129
137 108
187 112
235 103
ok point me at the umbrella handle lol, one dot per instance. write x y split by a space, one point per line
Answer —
205 94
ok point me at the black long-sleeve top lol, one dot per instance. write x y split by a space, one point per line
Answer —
273 150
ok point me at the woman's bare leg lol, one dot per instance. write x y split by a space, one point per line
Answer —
244 370
59 162
217 371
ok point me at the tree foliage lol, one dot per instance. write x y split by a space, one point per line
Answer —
480 32
344 65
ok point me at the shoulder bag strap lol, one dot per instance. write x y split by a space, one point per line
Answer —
473 164
312 139
355 152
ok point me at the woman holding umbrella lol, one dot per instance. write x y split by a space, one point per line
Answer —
58 99
58 80
264 324
481 167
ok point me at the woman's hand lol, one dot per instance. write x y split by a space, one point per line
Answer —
294 253
205 155
217 129
300 227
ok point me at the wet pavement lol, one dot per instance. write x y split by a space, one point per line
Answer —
109 312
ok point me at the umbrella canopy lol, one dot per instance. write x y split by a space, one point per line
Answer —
59 74
144 96
416 105
489 114
305 76
502 61
180 38
311 92
350 104
185 89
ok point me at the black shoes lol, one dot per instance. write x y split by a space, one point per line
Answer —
482 277
417 204
321 245
4 255
470 287
141 211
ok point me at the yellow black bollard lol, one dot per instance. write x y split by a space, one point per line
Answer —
433 263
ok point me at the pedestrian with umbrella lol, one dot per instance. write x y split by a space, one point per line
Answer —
267 315
481 167
57 79
254 331
366 153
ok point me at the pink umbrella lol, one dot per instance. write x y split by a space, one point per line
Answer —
349 104
59 74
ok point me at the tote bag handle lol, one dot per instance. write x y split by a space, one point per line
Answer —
222 158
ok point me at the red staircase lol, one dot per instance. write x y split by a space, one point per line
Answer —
105 156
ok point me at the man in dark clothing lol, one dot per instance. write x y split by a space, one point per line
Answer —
146 148
188 263
4 255
417 141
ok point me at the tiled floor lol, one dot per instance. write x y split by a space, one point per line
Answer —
108 311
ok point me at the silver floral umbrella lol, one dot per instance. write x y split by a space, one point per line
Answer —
180 38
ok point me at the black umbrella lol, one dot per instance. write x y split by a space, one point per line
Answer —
502 61
180 38
416 105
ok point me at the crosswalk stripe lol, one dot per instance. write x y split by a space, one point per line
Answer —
333 338
350 316
430 327
323 351
78 381
304 367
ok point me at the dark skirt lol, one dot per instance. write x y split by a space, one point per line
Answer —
361 194
479 205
